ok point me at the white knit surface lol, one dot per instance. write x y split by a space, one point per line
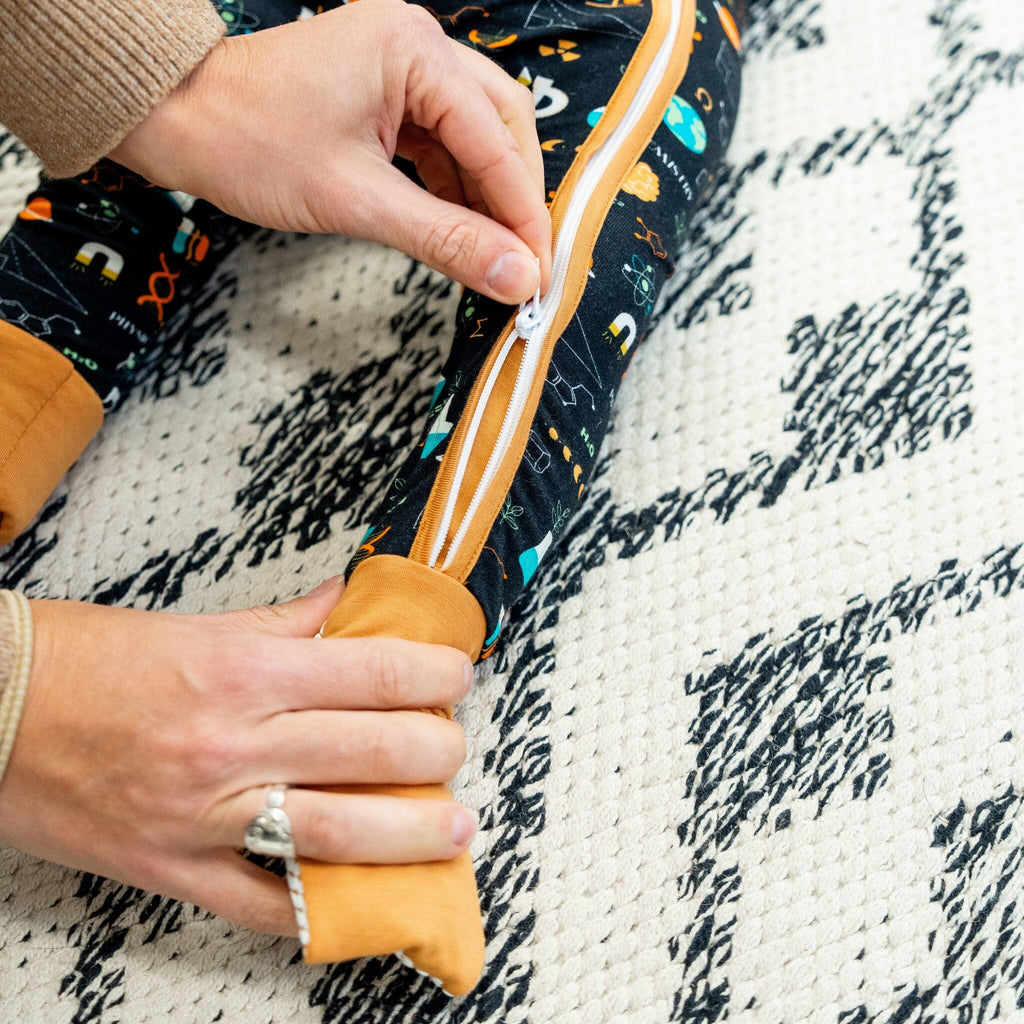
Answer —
754 746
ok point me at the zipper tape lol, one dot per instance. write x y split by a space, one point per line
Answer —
494 428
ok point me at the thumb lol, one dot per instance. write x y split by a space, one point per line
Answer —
464 245
300 617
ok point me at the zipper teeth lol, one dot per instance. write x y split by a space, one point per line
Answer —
460 469
543 311
520 392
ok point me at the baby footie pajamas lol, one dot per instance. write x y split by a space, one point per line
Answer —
635 103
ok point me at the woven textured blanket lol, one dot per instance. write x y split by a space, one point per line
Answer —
753 745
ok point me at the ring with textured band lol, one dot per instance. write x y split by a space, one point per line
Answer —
270 831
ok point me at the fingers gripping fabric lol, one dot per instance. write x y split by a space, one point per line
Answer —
428 912
635 106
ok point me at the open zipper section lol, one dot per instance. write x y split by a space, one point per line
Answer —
524 339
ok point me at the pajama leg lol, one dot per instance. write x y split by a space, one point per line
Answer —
635 103
91 271
96 265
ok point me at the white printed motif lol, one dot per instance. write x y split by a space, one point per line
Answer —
547 98
623 331
111 263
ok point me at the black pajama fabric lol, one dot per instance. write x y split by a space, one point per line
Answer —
572 56
97 265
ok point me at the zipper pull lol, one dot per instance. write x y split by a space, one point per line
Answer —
529 312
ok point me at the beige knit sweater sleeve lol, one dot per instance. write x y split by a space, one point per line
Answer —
77 75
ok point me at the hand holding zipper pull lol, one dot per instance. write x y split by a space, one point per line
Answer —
529 313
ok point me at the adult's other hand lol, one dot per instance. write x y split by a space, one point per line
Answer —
148 741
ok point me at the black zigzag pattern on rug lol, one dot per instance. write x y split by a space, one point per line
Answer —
886 377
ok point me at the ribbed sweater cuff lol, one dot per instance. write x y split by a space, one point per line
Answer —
76 77
15 664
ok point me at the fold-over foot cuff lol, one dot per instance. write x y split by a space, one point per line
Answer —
48 414
387 595
427 913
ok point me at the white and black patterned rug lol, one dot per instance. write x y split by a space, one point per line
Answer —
754 746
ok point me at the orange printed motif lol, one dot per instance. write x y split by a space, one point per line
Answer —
642 183
489 42
112 177
39 209
369 546
190 242
577 469
160 300
729 25
504 575
650 238
452 19
564 49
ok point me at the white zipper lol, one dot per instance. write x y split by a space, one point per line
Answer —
537 314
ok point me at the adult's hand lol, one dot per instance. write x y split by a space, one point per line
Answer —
148 741
295 128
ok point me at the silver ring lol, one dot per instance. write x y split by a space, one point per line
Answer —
270 831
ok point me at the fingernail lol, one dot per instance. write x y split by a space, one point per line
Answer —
513 276
325 586
468 672
463 827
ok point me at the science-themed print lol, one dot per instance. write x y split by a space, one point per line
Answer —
563 374
97 264
572 56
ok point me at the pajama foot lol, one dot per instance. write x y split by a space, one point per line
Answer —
428 914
